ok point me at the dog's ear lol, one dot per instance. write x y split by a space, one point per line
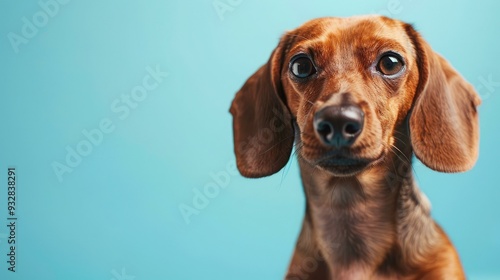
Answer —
262 124
444 124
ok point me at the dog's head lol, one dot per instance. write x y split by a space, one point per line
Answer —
340 87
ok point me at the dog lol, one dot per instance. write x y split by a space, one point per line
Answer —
357 97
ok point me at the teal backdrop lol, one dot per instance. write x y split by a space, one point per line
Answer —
115 117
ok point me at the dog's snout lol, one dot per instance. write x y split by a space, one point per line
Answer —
339 126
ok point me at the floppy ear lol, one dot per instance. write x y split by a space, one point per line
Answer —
444 124
262 124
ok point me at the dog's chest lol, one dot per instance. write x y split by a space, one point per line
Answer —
353 223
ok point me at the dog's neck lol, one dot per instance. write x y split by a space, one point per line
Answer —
368 223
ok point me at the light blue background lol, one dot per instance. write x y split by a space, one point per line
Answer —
118 213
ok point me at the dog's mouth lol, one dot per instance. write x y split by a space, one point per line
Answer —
343 161
343 164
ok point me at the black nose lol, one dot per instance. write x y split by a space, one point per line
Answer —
339 126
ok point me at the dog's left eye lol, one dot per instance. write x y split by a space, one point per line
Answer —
302 67
390 64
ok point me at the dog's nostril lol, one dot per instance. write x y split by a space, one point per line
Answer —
351 129
324 128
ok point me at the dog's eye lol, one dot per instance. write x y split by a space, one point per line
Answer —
390 64
302 67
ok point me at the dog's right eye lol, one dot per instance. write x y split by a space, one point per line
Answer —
302 67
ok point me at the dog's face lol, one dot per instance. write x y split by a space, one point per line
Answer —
348 88
342 86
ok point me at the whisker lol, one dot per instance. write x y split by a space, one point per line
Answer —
297 146
407 159
276 144
396 154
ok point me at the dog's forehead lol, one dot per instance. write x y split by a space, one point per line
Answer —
356 30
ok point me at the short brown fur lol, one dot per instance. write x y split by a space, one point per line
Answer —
368 222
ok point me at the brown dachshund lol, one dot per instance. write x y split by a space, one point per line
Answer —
359 96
